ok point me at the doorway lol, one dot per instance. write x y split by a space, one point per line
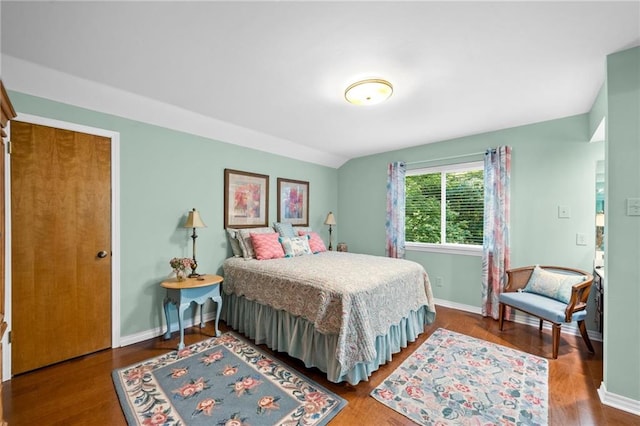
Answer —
64 287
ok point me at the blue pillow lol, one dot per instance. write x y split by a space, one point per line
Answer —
556 285
285 230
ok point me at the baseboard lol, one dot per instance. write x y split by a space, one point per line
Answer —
520 318
571 328
618 401
159 331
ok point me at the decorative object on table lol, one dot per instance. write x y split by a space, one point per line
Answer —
179 265
293 202
457 379
221 380
342 247
331 221
194 221
246 199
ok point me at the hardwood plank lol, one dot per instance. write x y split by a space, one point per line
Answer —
80 391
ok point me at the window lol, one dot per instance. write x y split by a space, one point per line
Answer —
445 208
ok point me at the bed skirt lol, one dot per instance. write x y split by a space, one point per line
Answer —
296 336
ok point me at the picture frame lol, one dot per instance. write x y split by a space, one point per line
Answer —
246 199
293 202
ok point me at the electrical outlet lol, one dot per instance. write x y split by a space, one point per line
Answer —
438 281
581 239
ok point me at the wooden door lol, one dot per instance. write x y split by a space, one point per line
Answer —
60 222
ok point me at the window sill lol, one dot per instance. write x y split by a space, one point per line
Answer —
462 249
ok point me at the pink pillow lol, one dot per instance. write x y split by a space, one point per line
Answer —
315 242
266 246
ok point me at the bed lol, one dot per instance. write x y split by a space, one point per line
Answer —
344 313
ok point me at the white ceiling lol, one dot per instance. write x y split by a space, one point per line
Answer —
274 72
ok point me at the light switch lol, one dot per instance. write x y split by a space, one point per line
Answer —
564 212
581 239
633 206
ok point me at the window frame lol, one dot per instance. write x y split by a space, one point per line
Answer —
447 248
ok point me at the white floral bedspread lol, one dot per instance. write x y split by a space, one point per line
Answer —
356 296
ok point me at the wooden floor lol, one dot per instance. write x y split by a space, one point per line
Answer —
80 391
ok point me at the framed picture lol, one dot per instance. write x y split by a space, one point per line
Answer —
246 199
293 201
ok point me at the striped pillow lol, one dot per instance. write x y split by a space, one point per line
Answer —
267 246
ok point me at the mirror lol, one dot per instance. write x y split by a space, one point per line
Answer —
599 208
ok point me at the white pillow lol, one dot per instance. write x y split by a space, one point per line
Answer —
233 235
295 246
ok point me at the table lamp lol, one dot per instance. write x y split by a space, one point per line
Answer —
330 220
194 221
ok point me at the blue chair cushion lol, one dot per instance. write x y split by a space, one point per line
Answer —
540 306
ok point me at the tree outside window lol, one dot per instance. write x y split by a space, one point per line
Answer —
445 205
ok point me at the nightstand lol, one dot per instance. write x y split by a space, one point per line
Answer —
183 293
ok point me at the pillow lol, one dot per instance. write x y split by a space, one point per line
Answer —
244 238
299 229
267 246
285 230
296 246
233 242
315 242
555 285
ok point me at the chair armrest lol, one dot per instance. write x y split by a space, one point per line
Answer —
579 295
518 278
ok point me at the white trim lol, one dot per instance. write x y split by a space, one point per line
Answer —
618 401
462 249
458 306
115 227
36 80
522 318
159 331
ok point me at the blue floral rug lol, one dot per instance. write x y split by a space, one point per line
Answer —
453 379
221 381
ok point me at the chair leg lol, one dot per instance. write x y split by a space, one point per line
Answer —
556 339
540 325
585 335
501 309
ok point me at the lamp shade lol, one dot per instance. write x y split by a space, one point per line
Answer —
330 220
194 220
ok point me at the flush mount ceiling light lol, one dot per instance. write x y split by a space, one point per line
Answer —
368 92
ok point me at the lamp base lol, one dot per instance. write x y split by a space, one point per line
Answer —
194 275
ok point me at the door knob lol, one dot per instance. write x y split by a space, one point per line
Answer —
102 254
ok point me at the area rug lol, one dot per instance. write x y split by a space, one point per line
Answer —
221 381
454 379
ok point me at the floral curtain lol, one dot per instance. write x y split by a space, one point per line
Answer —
495 247
395 209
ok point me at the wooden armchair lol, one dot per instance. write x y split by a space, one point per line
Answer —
547 307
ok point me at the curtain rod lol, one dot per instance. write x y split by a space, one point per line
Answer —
446 158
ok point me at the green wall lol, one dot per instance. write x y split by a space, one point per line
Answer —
622 296
163 175
552 164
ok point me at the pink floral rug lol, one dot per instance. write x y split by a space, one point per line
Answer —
221 381
454 379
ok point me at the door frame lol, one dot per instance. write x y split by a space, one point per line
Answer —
115 229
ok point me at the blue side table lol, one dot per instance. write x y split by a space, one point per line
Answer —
183 293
